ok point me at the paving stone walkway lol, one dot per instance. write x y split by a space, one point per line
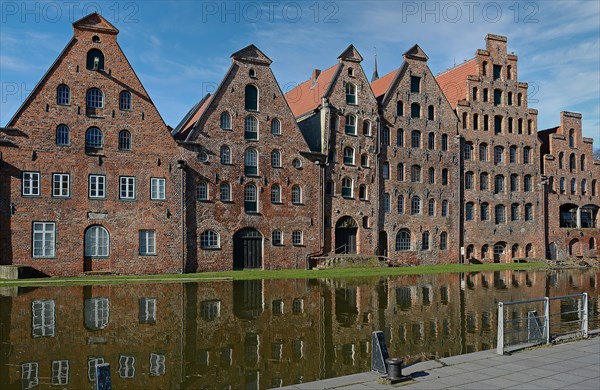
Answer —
571 365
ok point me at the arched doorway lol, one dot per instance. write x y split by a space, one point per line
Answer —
574 248
499 252
346 230
247 249
552 251
96 246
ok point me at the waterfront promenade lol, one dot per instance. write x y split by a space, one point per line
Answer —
571 365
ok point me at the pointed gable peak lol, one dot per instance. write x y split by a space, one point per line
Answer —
251 53
95 21
416 53
351 54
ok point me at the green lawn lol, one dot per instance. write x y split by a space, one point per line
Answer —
273 274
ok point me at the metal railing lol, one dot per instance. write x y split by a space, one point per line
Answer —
538 326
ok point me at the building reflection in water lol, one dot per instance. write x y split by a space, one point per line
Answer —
259 333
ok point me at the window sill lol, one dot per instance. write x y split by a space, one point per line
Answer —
211 248
204 200
299 245
96 198
127 199
44 257
158 200
148 254
31 196
61 197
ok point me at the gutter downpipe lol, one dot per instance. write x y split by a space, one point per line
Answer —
181 166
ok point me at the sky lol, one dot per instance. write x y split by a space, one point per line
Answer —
181 49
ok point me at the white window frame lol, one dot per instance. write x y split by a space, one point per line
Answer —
100 308
296 194
127 187
225 192
61 185
126 367
277 237
92 364
147 242
210 239
31 184
158 188
157 364
29 375
60 372
297 238
97 186
43 240
95 248
43 318
210 310
147 313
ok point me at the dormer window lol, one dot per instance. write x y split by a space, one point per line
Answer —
125 101
351 93
252 73
95 60
251 98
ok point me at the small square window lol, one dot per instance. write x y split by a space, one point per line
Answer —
147 242
31 184
127 187
97 186
157 189
60 185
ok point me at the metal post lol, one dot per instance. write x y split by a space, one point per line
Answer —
547 319
584 320
500 340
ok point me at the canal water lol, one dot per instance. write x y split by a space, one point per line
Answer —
258 334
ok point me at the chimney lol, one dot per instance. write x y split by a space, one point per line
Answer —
315 74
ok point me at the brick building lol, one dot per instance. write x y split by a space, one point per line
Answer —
88 177
337 113
502 197
572 197
420 159
252 194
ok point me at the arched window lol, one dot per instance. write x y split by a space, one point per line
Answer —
125 101
483 181
296 194
528 212
275 193
425 241
514 212
582 165
594 187
225 192
209 239
527 155
469 210
443 241
445 177
469 181
362 192
514 182
276 158
529 250
400 173
94 138
250 198
572 163
562 185
400 137
399 108
464 120
63 95
497 124
95 60
483 151
386 170
347 187
351 93
124 140
251 128
512 154
415 110
348 156
592 243
63 135
431 175
468 151
225 155
415 174
225 121
485 251
515 251
469 252
500 212
275 127
251 98
400 204
498 184
572 138
573 186
251 162
444 208
415 139
364 160
403 240
277 237
415 205
430 112
431 141
94 98
386 203
561 158
97 242
527 185
484 212
202 191
431 208
367 128
350 127
444 142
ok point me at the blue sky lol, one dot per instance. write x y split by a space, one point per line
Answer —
181 49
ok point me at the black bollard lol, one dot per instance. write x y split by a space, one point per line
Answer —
394 368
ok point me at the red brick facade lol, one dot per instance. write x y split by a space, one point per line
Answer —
92 180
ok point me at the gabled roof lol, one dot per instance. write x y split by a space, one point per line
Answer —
95 21
190 119
416 53
307 96
454 81
251 53
350 54
381 85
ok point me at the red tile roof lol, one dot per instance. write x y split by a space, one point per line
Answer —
453 82
183 129
307 96
381 85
